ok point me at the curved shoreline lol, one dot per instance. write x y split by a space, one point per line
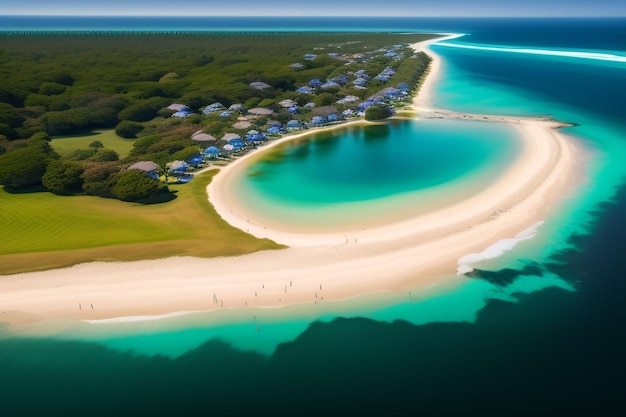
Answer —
416 253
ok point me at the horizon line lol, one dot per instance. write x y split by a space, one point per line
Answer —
328 16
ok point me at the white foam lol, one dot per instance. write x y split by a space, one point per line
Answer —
131 319
600 56
464 264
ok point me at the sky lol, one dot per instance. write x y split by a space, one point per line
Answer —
462 8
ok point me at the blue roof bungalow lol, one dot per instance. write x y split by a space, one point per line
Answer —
211 152
340 79
318 121
274 130
348 113
333 117
212 108
367 103
195 160
150 168
304 90
362 82
293 124
310 57
392 93
181 113
315 83
224 114
361 74
177 167
382 77
255 136
404 87
391 54
389 71
329 84
236 143
259 85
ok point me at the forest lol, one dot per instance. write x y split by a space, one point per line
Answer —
70 83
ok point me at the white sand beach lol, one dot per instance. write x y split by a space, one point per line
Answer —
414 253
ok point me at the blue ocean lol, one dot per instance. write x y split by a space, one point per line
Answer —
538 331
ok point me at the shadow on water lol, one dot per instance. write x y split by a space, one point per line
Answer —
553 352
505 276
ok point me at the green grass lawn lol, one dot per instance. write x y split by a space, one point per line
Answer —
66 144
42 231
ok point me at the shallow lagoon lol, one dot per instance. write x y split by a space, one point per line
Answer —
364 175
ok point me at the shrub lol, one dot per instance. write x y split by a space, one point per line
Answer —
63 177
128 129
106 155
135 185
378 112
51 89
25 166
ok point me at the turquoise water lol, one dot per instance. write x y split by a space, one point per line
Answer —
540 328
344 178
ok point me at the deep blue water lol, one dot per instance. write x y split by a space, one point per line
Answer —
552 352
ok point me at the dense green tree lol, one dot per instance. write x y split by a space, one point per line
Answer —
65 122
102 117
63 77
378 112
99 178
187 153
7 132
128 129
325 99
135 185
106 155
80 154
10 116
96 144
143 145
63 177
25 166
144 110
51 89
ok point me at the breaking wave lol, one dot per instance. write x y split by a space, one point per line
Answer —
599 56
464 264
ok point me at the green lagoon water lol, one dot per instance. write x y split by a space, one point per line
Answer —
360 175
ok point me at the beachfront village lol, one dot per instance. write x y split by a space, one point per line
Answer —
287 116
177 134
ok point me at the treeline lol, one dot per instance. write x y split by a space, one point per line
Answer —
58 84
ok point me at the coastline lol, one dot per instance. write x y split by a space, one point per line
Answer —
416 253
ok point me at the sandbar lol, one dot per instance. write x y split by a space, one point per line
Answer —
415 253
